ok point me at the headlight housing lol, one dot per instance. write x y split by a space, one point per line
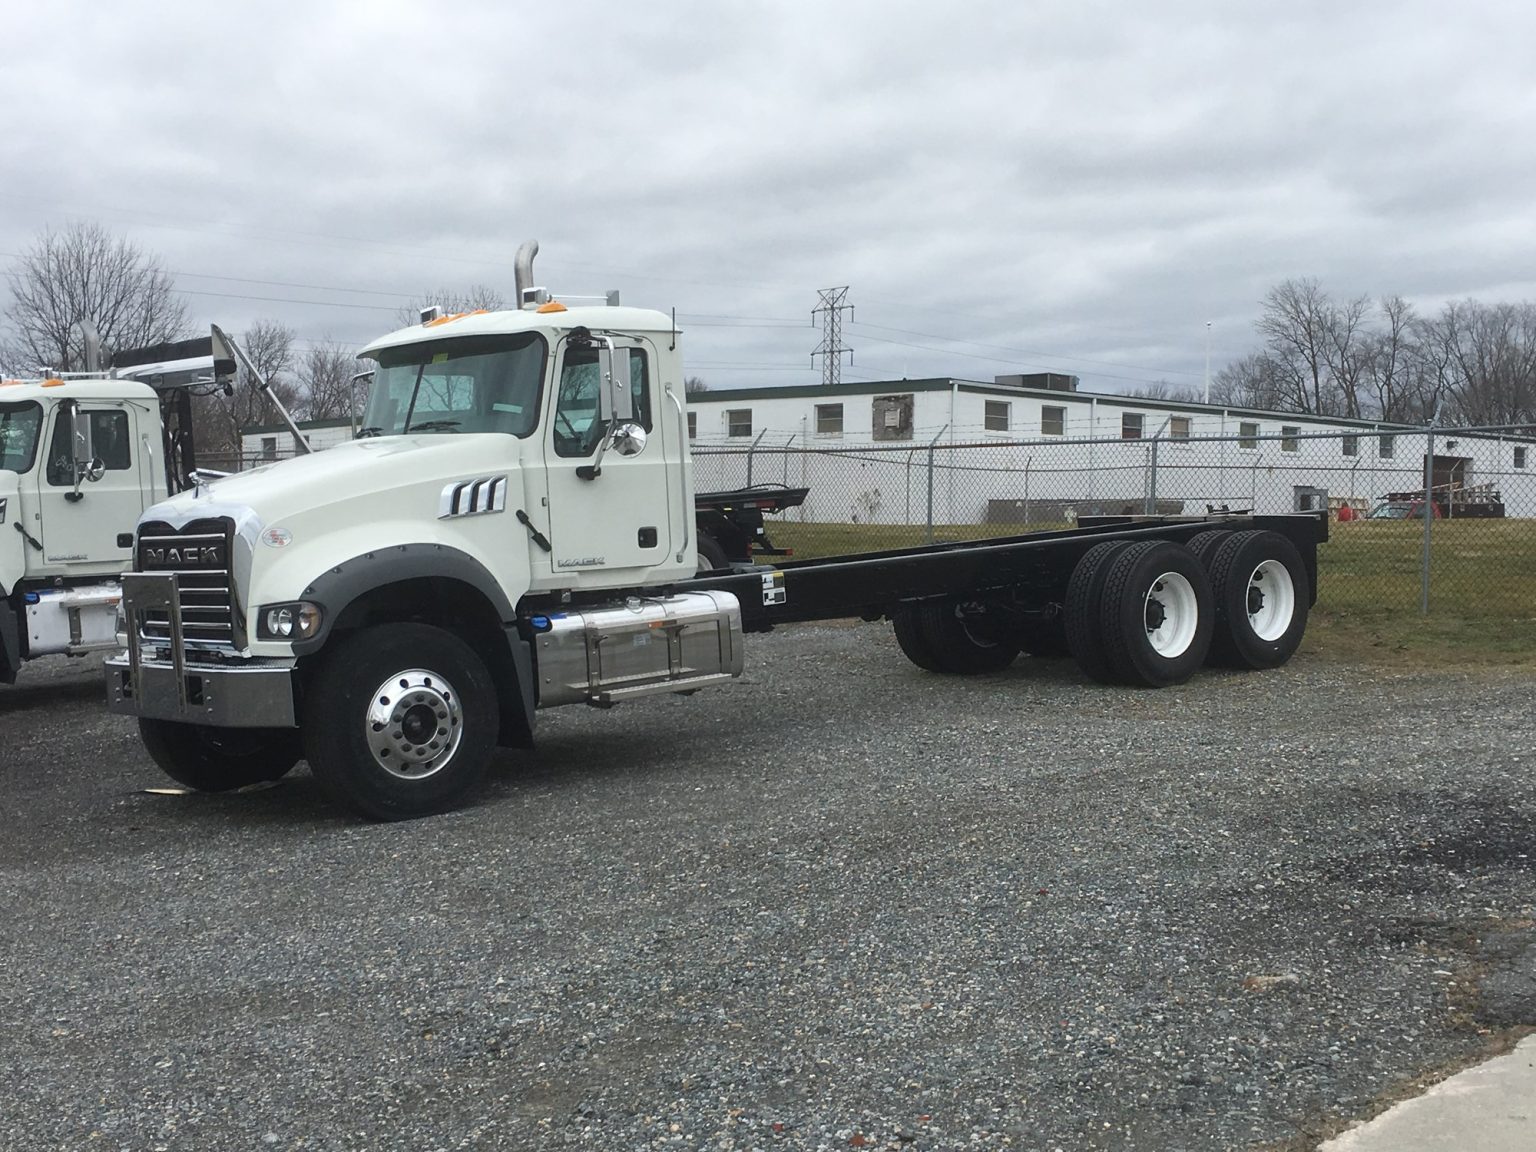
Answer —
297 620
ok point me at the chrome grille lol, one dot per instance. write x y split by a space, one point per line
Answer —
199 556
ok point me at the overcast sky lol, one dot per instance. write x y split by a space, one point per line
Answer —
1003 187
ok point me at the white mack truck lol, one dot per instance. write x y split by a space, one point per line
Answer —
81 457
514 529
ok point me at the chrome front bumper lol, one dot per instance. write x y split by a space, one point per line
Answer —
249 693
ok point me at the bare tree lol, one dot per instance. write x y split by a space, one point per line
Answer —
1296 324
1484 357
82 272
475 298
1165 390
1347 351
693 385
325 377
220 419
1249 382
1394 368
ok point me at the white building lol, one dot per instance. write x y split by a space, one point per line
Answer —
264 443
1028 448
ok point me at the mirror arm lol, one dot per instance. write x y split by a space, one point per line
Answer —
595 469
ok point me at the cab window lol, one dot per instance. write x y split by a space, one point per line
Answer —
577 427
109 441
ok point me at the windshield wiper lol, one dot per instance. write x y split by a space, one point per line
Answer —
432 425
373 430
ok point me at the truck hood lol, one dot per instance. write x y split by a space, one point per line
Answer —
359 470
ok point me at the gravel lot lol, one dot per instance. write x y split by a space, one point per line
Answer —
841 904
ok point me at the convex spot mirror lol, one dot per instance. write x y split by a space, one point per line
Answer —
628 438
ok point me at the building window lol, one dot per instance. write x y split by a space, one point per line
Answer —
1288 434
1350 445
829 419
1178 427
1384 450
995 418
269 447
693 425
738 421
1130 425
1519 457
1248 435
1053 421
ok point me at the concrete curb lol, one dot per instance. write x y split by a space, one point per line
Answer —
1491 1107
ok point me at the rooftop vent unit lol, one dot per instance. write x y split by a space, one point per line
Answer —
1048 381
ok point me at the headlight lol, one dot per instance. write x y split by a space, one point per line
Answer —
297 621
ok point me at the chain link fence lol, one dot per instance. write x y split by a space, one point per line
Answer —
1472 553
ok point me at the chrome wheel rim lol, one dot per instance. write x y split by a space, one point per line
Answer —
1172 613
1271 600
414 724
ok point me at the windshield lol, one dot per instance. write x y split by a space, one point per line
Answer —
466 384
1390 512
19 423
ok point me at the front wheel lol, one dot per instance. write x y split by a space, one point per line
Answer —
400 721
208 759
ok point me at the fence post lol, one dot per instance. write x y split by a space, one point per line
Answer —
931 445
1429 512
1152 481
750 450
1028 460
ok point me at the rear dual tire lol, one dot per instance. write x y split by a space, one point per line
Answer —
1157 615
1262 599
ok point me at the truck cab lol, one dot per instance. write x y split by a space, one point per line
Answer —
502 535
78 466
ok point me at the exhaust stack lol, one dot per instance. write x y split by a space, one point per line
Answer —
527 294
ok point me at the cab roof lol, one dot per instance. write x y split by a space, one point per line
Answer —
512 322
12 391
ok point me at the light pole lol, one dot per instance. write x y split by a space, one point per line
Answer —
1207 361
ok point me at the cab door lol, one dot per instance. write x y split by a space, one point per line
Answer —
82 532
608 511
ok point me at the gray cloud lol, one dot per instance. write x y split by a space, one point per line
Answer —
1086 184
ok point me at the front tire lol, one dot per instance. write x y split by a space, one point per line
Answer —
208 759
400 721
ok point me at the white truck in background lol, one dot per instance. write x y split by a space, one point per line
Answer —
82 455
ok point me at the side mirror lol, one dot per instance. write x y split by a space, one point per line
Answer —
80 439
223 356
614 400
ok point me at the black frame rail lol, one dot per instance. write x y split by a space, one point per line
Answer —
1032 568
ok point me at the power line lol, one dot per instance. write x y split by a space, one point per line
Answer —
1028 351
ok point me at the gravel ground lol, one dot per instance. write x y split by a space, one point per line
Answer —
841 904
